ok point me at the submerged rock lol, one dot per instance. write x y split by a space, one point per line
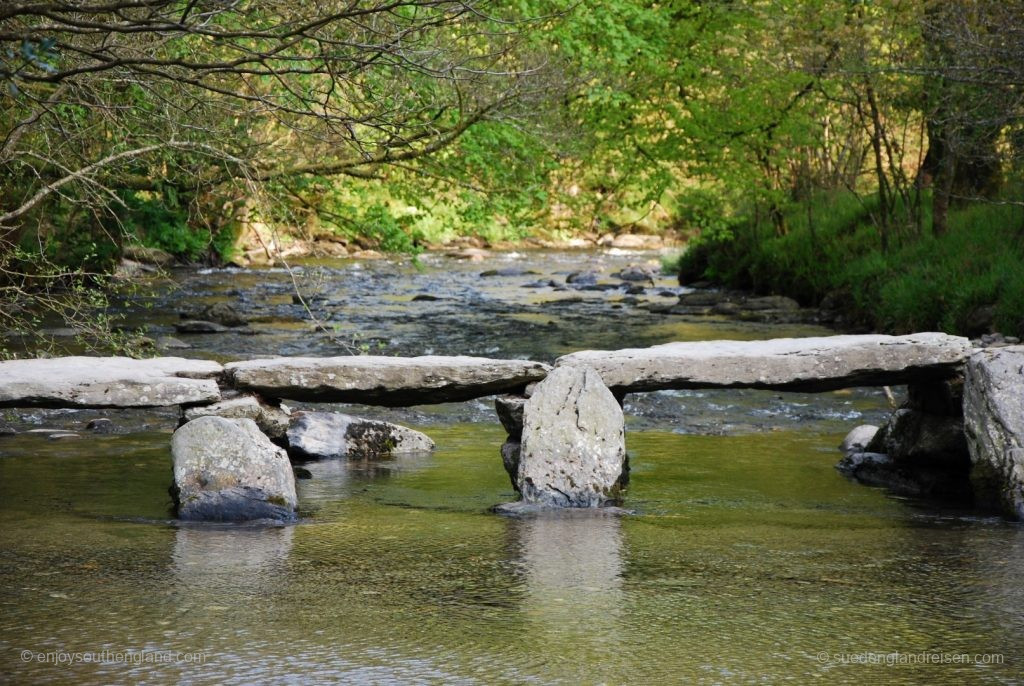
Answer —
227 470
915 437
170 343
858 439
199 326
583 278
101 425
508 271
994 425
573 451
222 313
317 435
920 451
635 273
878 469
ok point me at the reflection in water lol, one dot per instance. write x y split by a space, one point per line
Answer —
572 566
241 558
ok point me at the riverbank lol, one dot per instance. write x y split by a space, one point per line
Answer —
969 281
259 251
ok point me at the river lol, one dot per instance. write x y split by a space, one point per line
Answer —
749 559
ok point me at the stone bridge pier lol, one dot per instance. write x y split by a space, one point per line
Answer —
566 443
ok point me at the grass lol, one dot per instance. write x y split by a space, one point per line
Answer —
833 250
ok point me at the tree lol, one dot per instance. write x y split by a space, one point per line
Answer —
205 102
974 78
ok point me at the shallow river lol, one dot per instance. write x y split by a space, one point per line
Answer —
749 559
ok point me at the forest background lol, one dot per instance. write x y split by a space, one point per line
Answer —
868 154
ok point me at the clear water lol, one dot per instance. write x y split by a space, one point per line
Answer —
749 558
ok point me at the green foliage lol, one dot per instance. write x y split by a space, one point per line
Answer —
158 221
927 283
162 221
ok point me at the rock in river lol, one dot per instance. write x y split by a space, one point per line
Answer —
994 424
227 470
273 421
858 439
316 435
509 409
573 451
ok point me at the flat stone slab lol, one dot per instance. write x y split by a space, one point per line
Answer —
108 382
378 380
790 364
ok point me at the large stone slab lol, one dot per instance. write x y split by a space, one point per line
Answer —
798 364
108 382
994 425
378 380
227 470
573 451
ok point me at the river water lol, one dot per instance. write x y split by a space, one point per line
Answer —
749 559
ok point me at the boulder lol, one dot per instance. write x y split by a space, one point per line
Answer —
130 269
199 326
101 425
273 421
227 470
857 440
170 342
510 413
222 313
510 452
318 435
703 298
915 437
633 241
799 364
379 380
144 255
635 273
108 382
771 302
507 271
994 426
583 278
573 451
878 469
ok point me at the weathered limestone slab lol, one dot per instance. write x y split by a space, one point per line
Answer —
994 425
316 435
108 382
798 364
573 451
227 470
378 380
